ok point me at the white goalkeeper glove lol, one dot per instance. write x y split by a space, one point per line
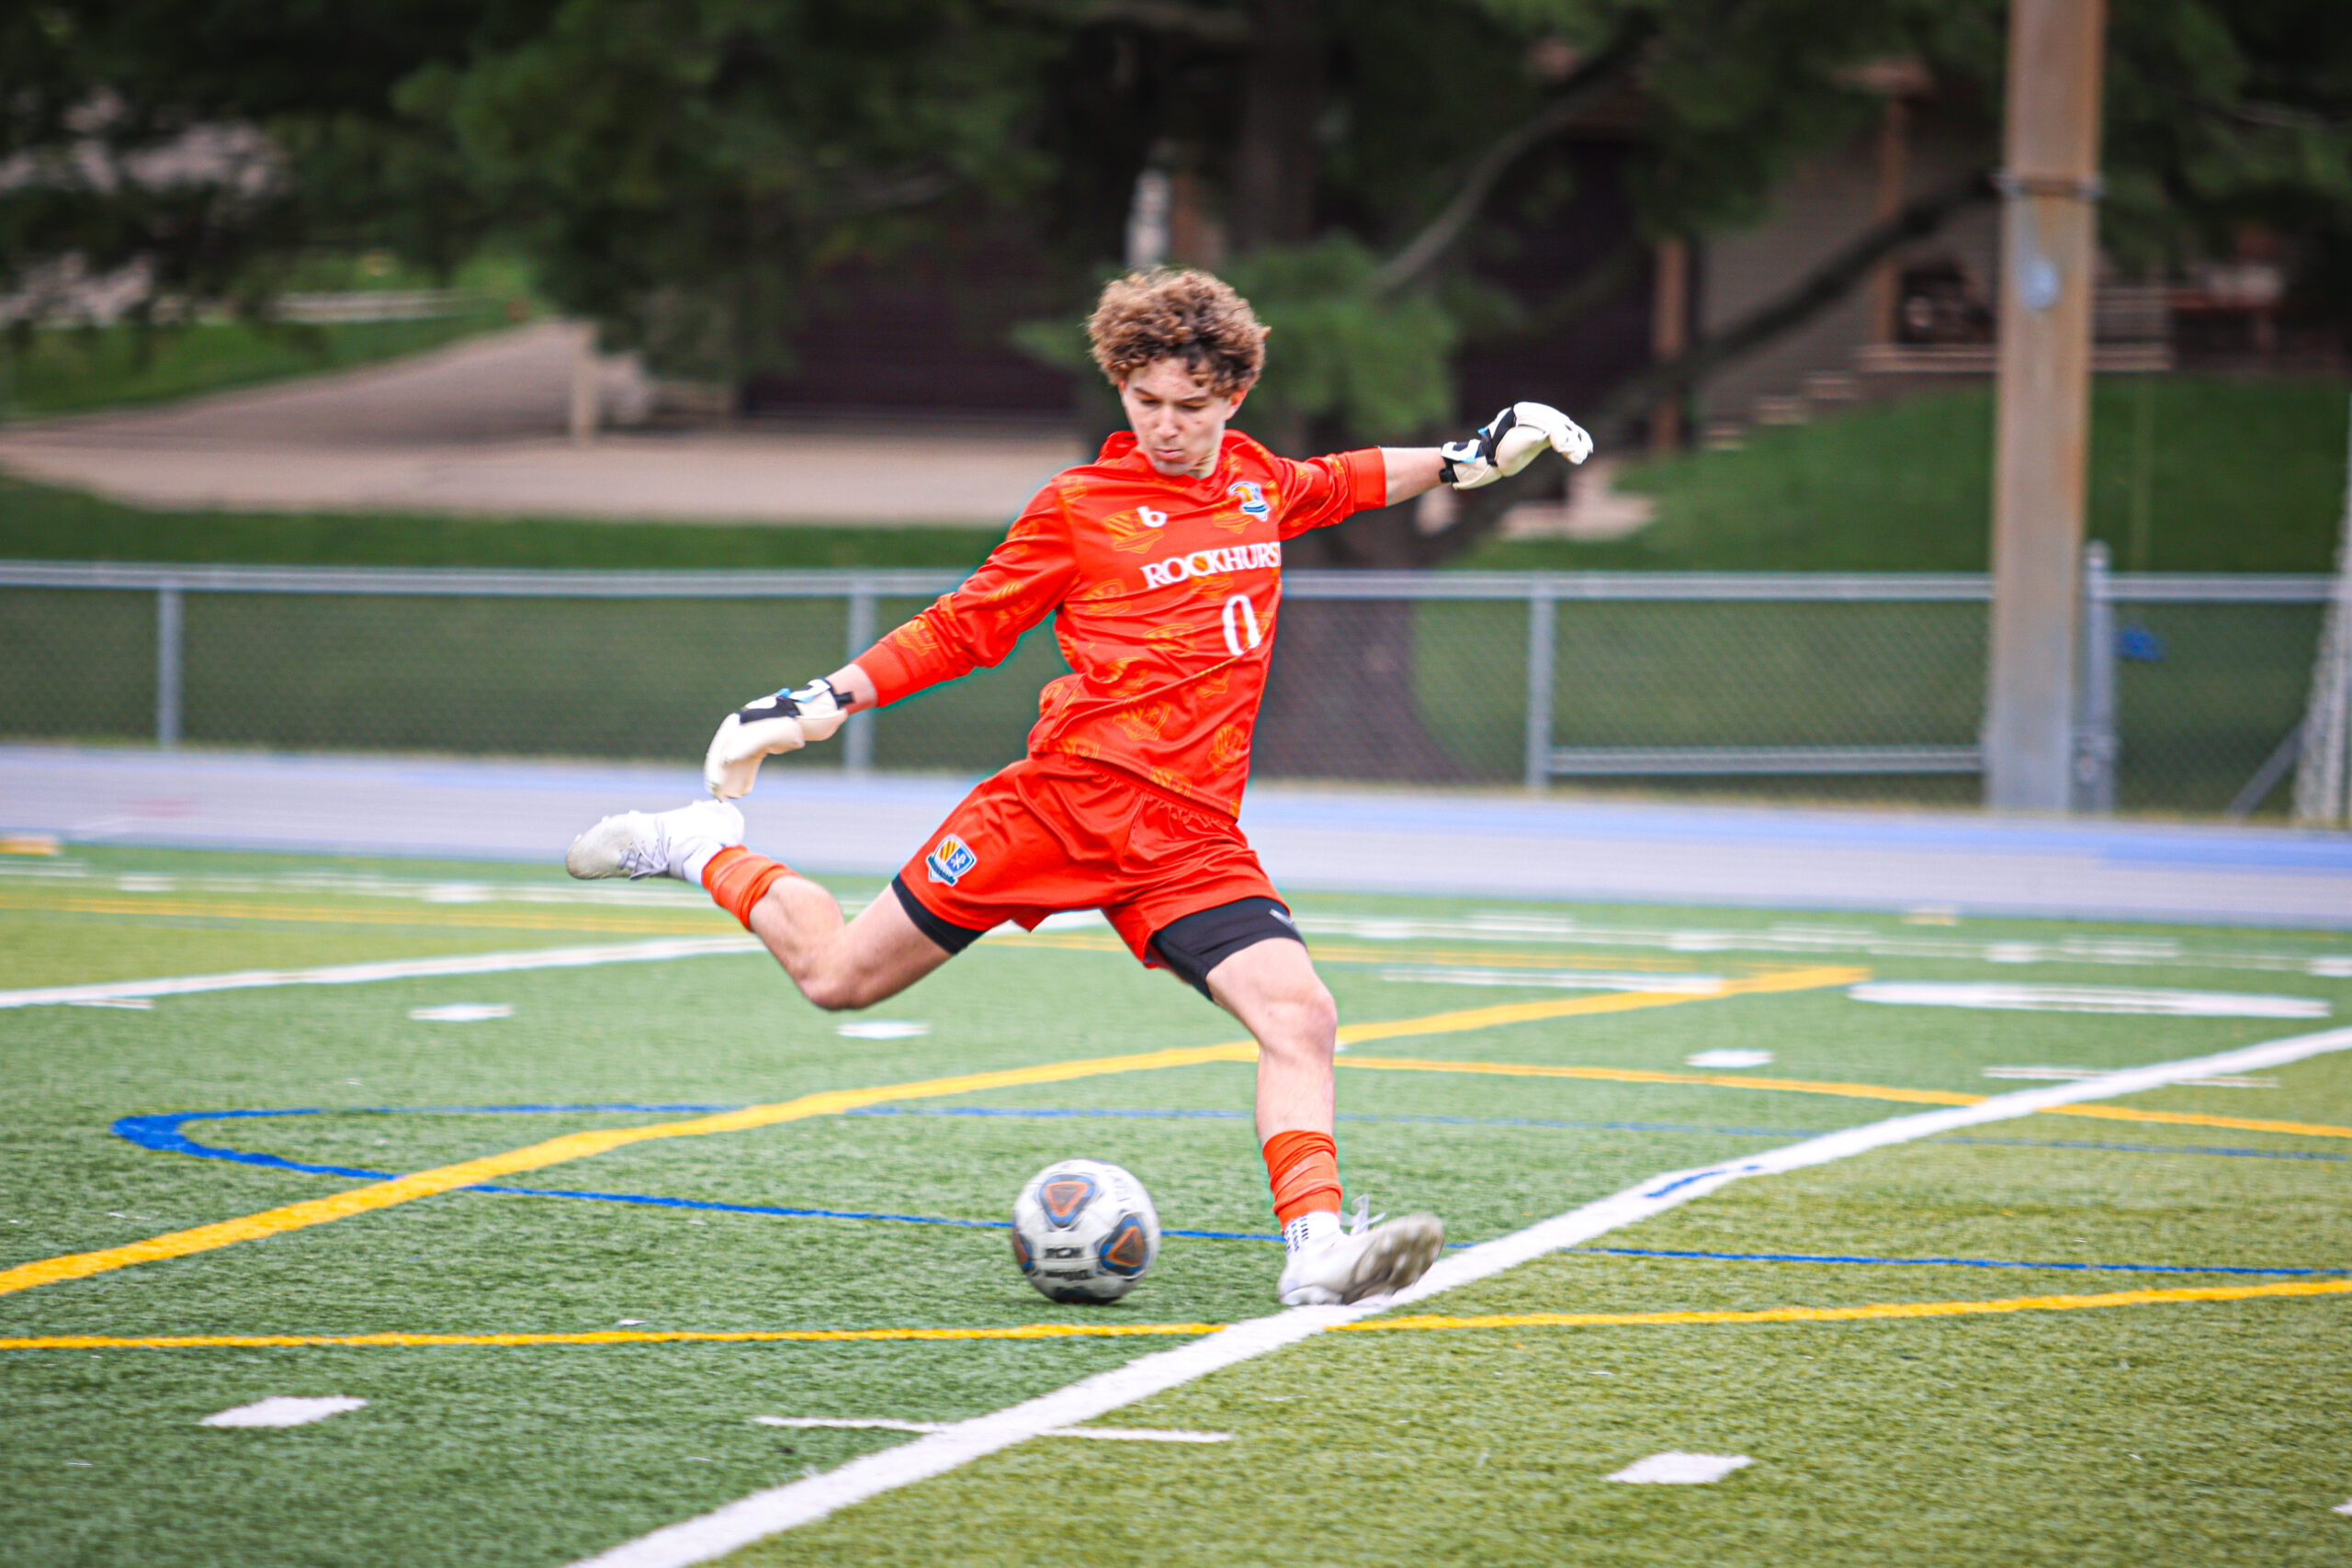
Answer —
784 721
1509 443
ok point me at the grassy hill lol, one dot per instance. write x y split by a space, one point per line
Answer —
39 522
2239 475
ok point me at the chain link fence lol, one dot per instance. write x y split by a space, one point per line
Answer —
1863 688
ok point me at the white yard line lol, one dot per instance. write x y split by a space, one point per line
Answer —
804 1502
2000 997
1108 1434
403 969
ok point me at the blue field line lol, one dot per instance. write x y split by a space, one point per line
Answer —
162 1133
1947 1262
2222 1151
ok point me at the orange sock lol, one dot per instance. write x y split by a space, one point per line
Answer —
737 879
1304 1170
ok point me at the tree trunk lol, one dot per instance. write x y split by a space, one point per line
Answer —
1274 154
1340 698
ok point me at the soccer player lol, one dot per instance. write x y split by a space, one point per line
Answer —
1160 562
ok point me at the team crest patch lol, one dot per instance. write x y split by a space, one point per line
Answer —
950 860
1253 498
1127 1251
1064 1197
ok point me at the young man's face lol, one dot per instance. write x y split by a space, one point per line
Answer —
1177 420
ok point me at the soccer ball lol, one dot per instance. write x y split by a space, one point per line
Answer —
1084 1230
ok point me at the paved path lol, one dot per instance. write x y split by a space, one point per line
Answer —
478 428
1362 841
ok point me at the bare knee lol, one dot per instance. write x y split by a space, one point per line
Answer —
1302 1023
838 990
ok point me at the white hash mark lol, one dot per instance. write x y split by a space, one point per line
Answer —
1674 1467
283 1411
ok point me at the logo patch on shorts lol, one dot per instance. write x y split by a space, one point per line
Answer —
950 860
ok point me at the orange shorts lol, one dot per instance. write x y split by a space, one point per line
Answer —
1054 833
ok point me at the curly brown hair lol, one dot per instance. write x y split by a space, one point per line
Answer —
1168 313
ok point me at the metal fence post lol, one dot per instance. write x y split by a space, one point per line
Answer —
2095 741
857 741
167 665
1539 684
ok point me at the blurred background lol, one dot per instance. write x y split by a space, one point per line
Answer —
546 376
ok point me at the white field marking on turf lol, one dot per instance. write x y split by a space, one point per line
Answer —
1515 927
1556 979
1107 1434
2076 1075
2002 996
282 1411
462 1012
882 1029
400 969
779 1509
2343 1507
1730 1056
1674 1467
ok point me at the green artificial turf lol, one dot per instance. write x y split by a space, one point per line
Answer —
2186 1432
2237 476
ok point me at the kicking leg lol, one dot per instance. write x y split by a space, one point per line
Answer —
836 964
1270 985
1272 988
842 964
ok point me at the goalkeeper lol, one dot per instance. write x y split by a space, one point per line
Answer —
1160 562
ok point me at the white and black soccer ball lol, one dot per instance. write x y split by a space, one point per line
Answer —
1084 1230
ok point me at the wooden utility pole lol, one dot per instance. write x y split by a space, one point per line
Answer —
2048 247
1669 333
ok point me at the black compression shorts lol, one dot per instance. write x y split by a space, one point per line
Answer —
1193 944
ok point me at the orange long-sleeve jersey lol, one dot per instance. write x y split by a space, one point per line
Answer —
1164 592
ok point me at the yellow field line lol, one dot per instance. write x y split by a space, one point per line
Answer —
601 1337
1875 1311
577 1145
1615 1001
832 1102
1634 1074
1848 1091
1517 957
2188 1119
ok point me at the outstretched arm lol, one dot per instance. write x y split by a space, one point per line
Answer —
1507 443
1018 584
1412 470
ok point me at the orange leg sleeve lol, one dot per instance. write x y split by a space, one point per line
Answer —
1304 1170
737 880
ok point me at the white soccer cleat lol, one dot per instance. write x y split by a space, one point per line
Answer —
1376 1261
638 845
